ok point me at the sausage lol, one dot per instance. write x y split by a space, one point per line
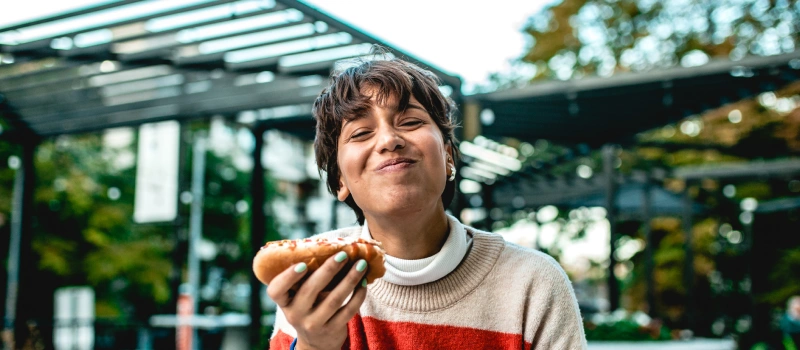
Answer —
275 257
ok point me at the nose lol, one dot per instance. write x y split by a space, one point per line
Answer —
389 140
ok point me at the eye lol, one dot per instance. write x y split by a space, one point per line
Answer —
412 122
359 134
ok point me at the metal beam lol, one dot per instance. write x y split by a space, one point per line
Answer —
320 67
66 15
176 108
76 88
688 264
166 52
107 47
543 192
649 247
82 93
50 92
19 306
258 92
159 52
219 57
269 63
45 43
446 78
15 75
632 80
488 205
258 232
753 169
609 158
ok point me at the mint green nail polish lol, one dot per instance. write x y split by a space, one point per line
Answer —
364 283
340 256
361 266
300 267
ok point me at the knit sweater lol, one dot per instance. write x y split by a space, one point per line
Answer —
501 296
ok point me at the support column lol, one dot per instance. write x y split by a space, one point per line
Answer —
471 128
180 252
257 234
688 271
334 214
19 309
488 205
609 158
649 246
196 227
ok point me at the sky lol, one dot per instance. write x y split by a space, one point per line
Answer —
470 39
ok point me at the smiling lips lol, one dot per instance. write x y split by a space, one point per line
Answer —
395 164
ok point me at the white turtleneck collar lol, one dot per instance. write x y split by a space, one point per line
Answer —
414 272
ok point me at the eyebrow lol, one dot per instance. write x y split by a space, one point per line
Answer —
415 106
410 105
347 121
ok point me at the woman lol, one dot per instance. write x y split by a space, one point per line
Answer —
385 139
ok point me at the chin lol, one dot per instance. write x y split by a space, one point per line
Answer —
404 202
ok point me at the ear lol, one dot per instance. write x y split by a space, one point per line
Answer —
448 148
343 191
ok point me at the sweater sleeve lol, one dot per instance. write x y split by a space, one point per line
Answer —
561 325
281 341
282 334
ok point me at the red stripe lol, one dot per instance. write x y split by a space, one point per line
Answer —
370 333
281 341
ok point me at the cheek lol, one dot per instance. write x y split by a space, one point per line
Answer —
434 147
350 163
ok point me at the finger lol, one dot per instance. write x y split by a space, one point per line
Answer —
278 289
317 281
335 300
347 312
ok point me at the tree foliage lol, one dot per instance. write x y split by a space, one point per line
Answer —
84 233
576 38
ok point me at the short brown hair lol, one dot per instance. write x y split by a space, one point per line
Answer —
344 99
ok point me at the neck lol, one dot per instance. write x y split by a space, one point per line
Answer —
415 236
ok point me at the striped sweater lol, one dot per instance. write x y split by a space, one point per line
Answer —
502 296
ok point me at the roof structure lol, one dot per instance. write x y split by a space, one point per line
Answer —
596 111
128 62
586 113
575 193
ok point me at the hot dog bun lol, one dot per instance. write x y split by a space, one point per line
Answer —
275 257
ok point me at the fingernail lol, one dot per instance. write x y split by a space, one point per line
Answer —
364 283
340 256
300 267
361 266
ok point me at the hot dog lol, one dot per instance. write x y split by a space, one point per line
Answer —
275 257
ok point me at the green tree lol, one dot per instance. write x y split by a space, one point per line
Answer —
576 38
84 233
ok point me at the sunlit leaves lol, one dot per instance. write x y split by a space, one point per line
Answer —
608 36
140 262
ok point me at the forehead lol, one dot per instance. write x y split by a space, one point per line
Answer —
385 97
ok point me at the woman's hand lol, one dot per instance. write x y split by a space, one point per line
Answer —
319 319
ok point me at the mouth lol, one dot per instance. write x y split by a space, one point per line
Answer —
395 164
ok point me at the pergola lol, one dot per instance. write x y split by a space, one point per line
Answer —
127 63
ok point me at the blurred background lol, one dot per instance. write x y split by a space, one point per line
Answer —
149 148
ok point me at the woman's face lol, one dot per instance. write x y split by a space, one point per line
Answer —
391 161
